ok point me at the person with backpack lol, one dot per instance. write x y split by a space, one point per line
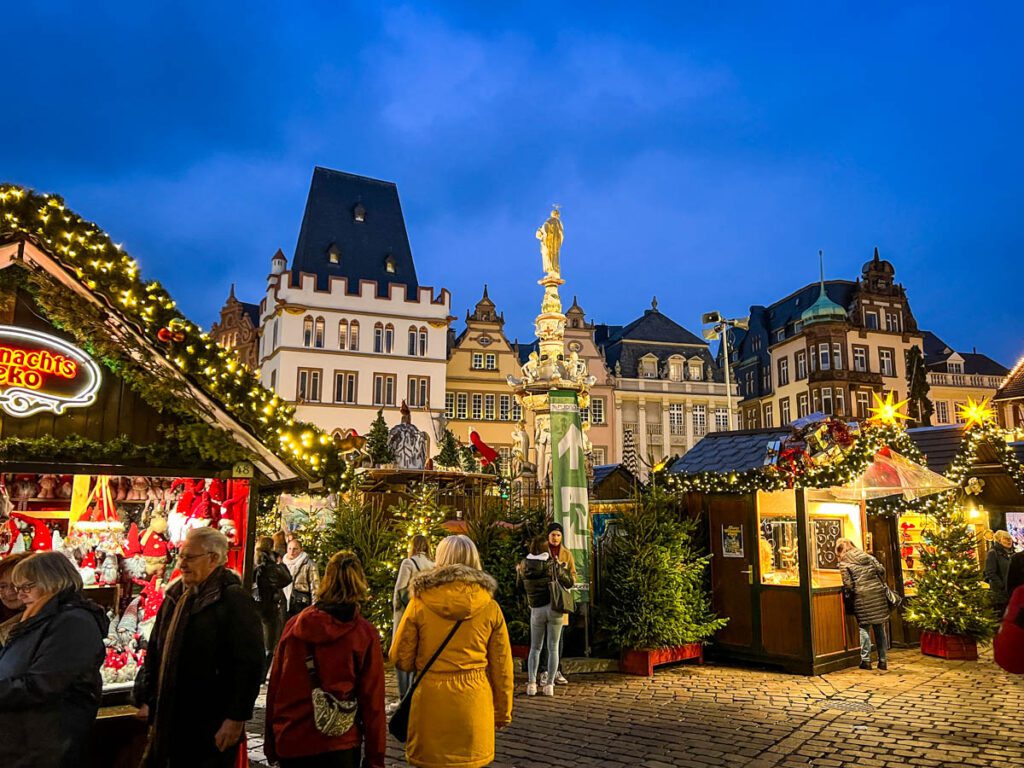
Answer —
270 579
864 578
417 562
538 574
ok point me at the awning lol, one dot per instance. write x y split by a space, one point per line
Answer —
890 474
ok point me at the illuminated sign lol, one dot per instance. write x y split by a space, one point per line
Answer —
39 372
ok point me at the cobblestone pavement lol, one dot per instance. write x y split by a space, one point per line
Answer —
922 712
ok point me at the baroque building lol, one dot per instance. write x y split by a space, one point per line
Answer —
956 377
239 329
347 329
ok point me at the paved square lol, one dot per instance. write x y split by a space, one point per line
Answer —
922 712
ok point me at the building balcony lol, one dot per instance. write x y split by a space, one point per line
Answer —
690 387
654 429
846 375
937 379
630 426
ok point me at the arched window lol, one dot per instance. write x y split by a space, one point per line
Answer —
318 333
412 340
675 368
389 339
378 338
353 336
342 334
423 342
273 335
307 331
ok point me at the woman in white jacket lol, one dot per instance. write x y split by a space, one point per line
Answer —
418 560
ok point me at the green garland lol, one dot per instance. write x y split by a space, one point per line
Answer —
107 270
170 453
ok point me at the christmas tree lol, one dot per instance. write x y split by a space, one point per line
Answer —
951 598
420 513
469 460
449 455
377 442
921 407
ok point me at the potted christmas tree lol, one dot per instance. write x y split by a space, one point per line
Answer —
377 447
449 457
951 607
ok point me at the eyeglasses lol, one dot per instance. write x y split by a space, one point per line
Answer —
190 558
24 589
8 587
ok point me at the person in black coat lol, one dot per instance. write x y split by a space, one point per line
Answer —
204 664
50 667
534 575
270 579
997 570
864 577
1015 573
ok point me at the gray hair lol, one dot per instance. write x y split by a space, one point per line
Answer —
211 540
1002 535
52 572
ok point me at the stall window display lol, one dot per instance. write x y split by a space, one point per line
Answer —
122 533
914 538
778 546
828 521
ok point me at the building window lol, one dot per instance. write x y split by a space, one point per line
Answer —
783 371
308 389
840 401
307 332
597 410
345 387
816 399
342 334
461 409
449 405
389 339
780 335
423 342
739 418
837 356
505 457
700 420
801 365
676 419
826 400
766 379
517 411
721 419
824 358
353 336
955 367
892 321
958 409
769 417
885 363
491 361
675 369
478 407
378 338
478 361
751 420
412 341
504 407
860 359
334 254
863 398
942 412
801 405
489 407
871 320
784 417
273 380
696 371
649 367
598 457
419 391
383 389
318 333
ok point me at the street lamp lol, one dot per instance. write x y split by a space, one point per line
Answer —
717 327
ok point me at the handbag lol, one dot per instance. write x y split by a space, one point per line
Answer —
891 597
398 725
403 593
331 716
562 600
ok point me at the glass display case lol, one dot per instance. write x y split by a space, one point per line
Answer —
778 538
828 521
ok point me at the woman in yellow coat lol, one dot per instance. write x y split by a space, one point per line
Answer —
467 693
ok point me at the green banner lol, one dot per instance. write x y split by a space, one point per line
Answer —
569 484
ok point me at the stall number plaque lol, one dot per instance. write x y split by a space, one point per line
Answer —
39 372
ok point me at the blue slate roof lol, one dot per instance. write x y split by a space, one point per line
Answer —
365 247
651 333
937 352
252 311
735 451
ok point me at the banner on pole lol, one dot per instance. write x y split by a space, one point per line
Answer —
569 484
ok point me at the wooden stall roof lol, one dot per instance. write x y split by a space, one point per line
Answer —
735 451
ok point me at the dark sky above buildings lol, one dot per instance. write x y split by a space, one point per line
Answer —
701 152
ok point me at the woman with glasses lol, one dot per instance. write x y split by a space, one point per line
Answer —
11 606
50 666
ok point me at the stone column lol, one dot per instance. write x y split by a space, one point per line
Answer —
689 423
615 451
641 428
666 430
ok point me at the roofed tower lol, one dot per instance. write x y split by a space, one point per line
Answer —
485 311
824 310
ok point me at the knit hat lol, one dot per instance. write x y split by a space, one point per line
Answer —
556 527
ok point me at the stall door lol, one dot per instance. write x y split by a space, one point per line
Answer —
733 547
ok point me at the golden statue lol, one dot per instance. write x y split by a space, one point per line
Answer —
550 236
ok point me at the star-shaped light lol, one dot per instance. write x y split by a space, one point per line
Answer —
975 412
887 411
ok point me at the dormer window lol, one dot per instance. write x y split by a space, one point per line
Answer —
334 254
359 213
389 265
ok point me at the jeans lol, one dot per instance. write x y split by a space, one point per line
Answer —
404 681
865 641
544 624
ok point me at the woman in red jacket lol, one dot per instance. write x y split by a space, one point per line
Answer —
350 667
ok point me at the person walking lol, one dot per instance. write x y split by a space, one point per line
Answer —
564 556
305 578
417 562
1015 573
50 667
347 663
204 663
864 578
269 580
997 570
467 692
535 575
11 604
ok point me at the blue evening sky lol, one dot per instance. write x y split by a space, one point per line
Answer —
702 152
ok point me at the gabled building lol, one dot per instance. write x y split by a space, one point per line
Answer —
827 347
347 328
239 329
668 389
954 377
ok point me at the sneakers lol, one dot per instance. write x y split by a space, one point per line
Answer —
531 689
544 678
865 665
883 665
548 690
560 679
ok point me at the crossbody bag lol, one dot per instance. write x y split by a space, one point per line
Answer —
398 725
331 715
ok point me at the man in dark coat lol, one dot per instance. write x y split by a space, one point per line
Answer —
864 577
997 570
270 578
204 664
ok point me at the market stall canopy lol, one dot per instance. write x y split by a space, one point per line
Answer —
890 474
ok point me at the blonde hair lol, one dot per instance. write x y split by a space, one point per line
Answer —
344 581
211 540
1002 535
52 572
420 544
458 550
843 546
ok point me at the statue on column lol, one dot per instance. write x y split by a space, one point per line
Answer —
520 449
550 235
543 451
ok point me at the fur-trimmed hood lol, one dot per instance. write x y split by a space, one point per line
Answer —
453 591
